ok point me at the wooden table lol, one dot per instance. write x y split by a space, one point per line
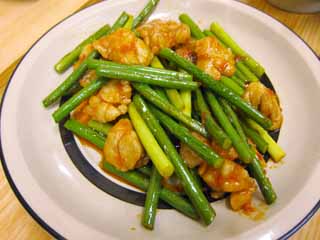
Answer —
31 16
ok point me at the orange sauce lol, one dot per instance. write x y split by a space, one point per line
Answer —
86 143
254 213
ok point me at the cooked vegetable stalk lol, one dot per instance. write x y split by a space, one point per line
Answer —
190 186
263 181
186 99
66 61
150 144
242 148
232 85
129 22
143 15
158 101
261 144
100 127
68 83
208 33
76 99
185 136
145 78
120 22
85 132
152 199
146 170
226 39
241 76
212 127
255 165
249 75
194 28
275 151
182 76
72 56
132 177
216 86
233 118
139 180
172 94
160 91
239 81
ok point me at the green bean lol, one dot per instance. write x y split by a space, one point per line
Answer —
146 170
142 182
152 199
129 22
160 91
68 83
155 99
239 81
263 181
212 127
76 99
261 144
185 136
145 78
208 33
72 56
85 132
241 146
120 22
255 165
216 86
150 144
182 76
254 66
275 151
228 82
66 61
194 28
241 76
173 94
233 119
143 15
190 186
249 75
100 127
132 177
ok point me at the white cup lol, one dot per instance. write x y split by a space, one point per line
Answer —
300 6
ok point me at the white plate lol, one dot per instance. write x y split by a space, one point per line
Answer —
64 202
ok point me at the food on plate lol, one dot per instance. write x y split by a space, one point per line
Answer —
176 110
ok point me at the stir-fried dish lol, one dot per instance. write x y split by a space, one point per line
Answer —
177 108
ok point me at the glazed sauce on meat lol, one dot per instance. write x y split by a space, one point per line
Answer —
86 143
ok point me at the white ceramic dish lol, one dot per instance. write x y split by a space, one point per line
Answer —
65 203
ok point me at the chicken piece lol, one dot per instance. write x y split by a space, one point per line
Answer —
79 115
86 50
110 102
87 78
191 158
239 200
213 58
187 51
123 148
230 154
122 46
231 177
266 101
159 34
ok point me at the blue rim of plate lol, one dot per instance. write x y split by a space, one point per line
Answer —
38 219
